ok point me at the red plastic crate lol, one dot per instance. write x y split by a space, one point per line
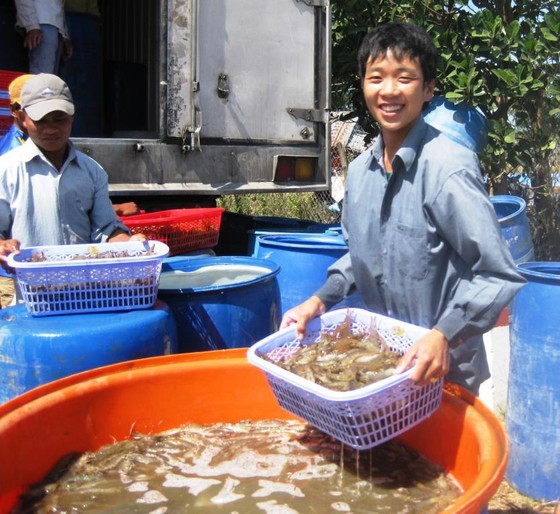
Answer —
4 99
183 230
6 77
5 124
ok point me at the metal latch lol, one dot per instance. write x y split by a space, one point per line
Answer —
223 85
315 115
192 133
315 3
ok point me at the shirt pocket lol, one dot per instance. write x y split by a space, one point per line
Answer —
82 201
410 251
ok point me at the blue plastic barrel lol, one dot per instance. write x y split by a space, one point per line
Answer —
329 229
533 408
460 122
37 350
235 230
304 260
221 302
511 212
255 237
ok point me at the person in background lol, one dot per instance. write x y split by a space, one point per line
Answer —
51 193
46 35
15 136
424 243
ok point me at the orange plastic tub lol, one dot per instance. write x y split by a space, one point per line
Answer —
85 411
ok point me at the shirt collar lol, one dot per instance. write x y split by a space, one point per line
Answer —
409 149
411 144
31 150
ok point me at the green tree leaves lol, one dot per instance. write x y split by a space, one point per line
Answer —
500 55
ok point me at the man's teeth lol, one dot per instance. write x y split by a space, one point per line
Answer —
391 108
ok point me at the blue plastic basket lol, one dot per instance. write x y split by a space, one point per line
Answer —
71 282
361 418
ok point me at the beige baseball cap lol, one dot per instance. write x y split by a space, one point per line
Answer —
45 93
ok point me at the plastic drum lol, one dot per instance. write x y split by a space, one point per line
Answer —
37 350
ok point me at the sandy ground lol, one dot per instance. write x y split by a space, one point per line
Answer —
508 501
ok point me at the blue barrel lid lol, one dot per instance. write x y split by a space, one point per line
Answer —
461 122
540 271
303 241
87 325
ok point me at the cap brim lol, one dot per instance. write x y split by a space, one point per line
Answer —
41 109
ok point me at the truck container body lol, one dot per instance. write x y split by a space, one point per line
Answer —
205 97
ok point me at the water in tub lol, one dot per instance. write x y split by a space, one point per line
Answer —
210 276
252 467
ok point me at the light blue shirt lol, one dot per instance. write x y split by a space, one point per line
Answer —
425 245
42 206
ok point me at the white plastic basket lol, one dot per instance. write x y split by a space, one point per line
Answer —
361 418
66 286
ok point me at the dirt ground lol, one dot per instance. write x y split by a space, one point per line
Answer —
508 501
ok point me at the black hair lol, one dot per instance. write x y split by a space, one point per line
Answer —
403 40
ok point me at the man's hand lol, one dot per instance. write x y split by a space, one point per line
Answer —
33 39
68 49
302 314
126 209
7 246
429 356
120 236
138 237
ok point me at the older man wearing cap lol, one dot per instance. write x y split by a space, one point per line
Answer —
51 193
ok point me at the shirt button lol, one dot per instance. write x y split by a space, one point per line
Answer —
384 251
390 312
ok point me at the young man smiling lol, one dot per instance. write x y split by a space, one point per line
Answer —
50 193
424 243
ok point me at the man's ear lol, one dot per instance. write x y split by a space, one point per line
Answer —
429 90
14 110
19 117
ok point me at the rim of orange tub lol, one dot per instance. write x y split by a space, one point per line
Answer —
77 413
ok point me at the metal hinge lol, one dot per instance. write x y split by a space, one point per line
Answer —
315 3
315 115
190 139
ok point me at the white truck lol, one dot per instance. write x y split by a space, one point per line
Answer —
204 97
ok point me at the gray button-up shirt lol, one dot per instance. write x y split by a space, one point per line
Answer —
425 245
41 206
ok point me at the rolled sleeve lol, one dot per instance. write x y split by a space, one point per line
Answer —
104 220
339 283
86 208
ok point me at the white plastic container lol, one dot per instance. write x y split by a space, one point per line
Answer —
66 285
361 418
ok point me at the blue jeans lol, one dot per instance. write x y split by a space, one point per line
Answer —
46 57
